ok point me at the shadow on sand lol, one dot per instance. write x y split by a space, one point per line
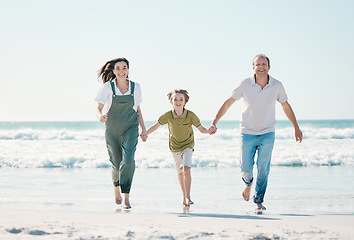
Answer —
215 215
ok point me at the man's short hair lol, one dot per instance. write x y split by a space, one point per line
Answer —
261 55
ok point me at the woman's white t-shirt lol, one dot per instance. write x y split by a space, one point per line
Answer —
105 93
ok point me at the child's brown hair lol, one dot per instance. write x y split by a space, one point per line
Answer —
181 91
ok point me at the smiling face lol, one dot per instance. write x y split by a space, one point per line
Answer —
261 67
178 101
121 70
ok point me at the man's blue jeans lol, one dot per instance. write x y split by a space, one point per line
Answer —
263 145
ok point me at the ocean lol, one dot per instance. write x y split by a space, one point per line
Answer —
82 145
64 166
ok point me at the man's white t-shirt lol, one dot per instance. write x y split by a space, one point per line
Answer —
105 93
258 116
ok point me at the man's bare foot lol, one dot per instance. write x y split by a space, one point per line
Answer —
260 207
246 193
117 195
126 202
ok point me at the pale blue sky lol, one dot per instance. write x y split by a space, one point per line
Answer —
51 51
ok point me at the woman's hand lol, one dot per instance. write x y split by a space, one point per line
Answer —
103 118
99 115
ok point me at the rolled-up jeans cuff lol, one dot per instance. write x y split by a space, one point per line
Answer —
248 183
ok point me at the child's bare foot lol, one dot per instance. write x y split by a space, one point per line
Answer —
246 193
185 201
188 202
126 203
117 195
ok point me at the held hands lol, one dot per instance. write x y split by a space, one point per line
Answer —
143 136
212 129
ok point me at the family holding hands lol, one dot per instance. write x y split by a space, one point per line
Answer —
119 102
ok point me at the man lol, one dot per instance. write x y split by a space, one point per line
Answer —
260 92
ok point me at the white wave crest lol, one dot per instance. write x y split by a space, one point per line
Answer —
28 148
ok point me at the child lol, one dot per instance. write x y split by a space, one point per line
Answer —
181 138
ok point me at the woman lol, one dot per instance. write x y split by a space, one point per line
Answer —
119 108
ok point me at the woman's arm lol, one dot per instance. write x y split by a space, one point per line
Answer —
143 134
100 117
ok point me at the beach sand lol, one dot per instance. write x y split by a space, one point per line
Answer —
121 224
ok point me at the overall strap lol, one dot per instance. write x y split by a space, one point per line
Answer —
113 88
132 86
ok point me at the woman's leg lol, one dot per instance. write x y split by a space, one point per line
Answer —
115 178
127 165
114 147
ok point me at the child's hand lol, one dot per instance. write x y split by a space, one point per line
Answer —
212 129
143 136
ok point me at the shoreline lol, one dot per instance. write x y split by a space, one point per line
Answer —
29 224
91 190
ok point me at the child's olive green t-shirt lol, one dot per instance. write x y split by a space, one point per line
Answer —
180 129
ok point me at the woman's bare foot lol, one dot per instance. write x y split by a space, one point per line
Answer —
246 193
126 203
117 195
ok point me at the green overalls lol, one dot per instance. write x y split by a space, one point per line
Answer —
122 132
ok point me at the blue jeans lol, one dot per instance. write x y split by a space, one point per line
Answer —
263 145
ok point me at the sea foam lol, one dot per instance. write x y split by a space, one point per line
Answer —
85 148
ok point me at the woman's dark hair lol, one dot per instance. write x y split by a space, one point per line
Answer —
106 71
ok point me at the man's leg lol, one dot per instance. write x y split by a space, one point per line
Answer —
265 148
248 150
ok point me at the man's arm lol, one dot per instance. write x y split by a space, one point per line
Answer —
291 116
223 109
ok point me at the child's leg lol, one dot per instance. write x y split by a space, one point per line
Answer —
187 163
183 161
187 184
183 188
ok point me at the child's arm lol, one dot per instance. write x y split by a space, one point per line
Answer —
203 129
153 128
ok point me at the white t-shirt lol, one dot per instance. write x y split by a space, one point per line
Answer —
105 93
258 116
